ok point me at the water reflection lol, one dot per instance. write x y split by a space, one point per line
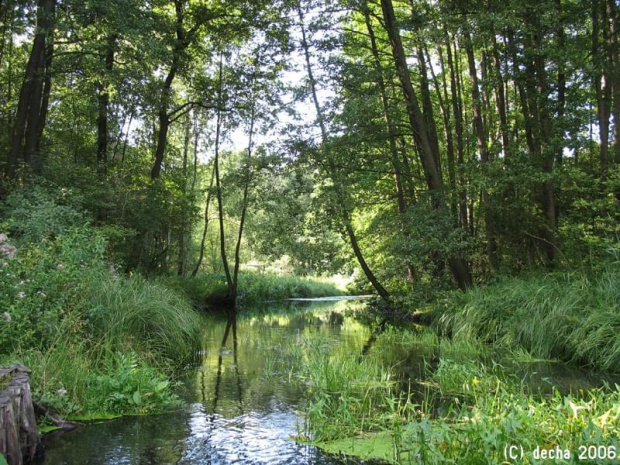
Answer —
245 397
244 400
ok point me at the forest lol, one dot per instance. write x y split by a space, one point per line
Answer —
458 160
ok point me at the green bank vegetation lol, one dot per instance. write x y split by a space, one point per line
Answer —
464 411
254 288
574 317
97 341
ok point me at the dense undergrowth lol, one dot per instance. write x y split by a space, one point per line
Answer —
573 317
465 411
97 342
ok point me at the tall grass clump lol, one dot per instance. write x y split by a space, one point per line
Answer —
571 317
255 287
346 394
146 316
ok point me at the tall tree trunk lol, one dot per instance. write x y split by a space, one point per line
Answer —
601 86
414 112
45 99
447 125
427 110
419 128
614 60
247 180
537 87
28 116
500 100
103 98
523 99
166 92
458 128
341 197
218 184
391 132
206 226
183 232
35 120
481 141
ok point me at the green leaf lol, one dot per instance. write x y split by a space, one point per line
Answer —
137 398
162 385
3 460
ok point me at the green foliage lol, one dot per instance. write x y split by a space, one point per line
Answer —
38 213
45 287
125 386
95 341
68 379
589 229
469 411
571 317
478 432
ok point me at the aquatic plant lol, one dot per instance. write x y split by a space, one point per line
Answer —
467 412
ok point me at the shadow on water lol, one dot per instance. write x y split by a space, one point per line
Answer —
244 400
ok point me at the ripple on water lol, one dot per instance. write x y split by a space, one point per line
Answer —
253 438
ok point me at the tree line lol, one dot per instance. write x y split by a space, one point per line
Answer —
449 141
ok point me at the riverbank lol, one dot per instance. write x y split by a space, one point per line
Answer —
573 317
210 289
465 407
100 343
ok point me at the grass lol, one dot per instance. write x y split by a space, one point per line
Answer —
469 413
569 317
253 287
97 342
163 326
346 394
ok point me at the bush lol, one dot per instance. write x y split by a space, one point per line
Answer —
95 340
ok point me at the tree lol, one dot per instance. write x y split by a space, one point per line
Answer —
33 101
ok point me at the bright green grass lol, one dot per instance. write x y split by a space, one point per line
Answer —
570 317
253 287
470 411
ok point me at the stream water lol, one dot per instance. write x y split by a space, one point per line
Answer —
243 404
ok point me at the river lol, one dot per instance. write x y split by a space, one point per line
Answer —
245 402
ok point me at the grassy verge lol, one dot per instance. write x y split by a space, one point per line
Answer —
570 317
98 343
466 412
253 287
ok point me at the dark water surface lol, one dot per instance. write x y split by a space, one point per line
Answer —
245 399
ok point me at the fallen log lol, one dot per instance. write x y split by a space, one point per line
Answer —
19 441
65 425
